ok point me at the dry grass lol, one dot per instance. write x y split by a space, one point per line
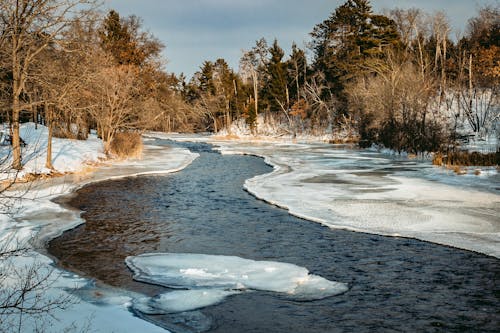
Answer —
346 140
464 158
459 171
127 145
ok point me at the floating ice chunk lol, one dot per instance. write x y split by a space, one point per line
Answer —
195 271
181 300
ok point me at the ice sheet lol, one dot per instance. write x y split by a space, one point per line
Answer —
368 191
211 278
181 300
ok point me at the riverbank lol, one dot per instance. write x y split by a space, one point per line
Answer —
31 218
309 179
375 192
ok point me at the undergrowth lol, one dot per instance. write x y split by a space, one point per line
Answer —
127 144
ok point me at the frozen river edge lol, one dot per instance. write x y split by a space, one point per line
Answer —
440 208
38 219
44 217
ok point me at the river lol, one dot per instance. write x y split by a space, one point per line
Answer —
394 283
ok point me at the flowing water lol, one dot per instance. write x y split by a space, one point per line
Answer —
395 284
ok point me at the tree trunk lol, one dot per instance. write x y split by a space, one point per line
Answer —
256 101
470 93
34 110
16 142
16 106
48 115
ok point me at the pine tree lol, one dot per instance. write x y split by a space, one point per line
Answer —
207 78
350 36
276 89
118 40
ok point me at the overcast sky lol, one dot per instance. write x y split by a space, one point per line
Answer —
197 30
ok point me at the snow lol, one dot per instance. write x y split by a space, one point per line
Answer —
35 219
333 185
368 191
67 155
211 278
77 315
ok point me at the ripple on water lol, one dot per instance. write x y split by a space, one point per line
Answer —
395 284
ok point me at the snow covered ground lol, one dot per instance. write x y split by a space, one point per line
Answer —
35 219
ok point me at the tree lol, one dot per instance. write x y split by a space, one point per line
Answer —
24 292
297 71
351 35
252 68
31 26
116 95
122 83
393 107
206 78
479 71
277 84
226 86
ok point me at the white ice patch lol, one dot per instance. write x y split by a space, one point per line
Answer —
371 192
181 301
211 278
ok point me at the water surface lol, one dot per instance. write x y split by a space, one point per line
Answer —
395 284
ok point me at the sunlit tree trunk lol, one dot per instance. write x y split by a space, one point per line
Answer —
50 126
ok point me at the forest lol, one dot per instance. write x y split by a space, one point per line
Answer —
237 164
399 79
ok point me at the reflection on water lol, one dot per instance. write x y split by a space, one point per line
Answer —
396 284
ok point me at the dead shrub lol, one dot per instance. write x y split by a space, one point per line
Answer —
438 159
126 145
465 158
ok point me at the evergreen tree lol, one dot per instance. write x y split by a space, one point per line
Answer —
225 83
276 90
117 40
351 35
206 78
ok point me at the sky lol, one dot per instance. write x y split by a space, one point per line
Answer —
197 30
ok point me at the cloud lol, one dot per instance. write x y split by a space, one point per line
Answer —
198 30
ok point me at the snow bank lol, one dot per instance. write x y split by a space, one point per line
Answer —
67 155
345 189
211 278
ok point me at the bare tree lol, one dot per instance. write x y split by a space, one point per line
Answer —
30 26
252 64
394 106
479 72
321 102
114 91
440 31
24 292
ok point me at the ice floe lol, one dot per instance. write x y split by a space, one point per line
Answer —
210 278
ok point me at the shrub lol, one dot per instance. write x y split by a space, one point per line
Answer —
126 144
465 158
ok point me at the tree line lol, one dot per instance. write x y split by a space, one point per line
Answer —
396 79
